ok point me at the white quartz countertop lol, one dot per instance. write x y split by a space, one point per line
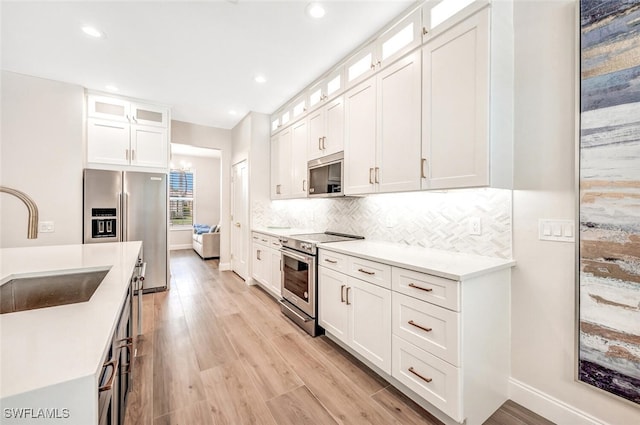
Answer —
48 346
284 231
447 264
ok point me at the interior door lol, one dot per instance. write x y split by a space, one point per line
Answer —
240 220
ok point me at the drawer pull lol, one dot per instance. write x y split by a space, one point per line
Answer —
330 261
366 272
412 370
412 323
412 285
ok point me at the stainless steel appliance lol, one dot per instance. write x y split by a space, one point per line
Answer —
130 206
326 176
300 276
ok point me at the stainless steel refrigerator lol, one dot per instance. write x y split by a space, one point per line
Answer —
130 206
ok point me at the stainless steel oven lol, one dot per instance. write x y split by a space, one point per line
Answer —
299 276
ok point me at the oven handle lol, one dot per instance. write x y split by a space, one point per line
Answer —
296 256
304 319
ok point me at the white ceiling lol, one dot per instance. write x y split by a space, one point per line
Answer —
200 58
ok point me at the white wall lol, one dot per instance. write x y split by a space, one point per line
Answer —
41 153
207 196
215 138
543 283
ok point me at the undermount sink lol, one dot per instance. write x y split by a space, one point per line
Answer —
33 291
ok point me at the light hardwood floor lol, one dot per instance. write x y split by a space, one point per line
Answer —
216 351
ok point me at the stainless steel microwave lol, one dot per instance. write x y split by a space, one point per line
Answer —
326 176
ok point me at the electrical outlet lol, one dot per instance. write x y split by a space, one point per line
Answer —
46 227
475 226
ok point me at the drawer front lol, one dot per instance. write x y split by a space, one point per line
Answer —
431 378
370 271
332 260
426 287
427 326
261 238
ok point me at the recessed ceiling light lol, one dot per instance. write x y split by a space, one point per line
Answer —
260 79
93 32
111 87
315 10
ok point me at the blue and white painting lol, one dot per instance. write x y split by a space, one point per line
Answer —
609 279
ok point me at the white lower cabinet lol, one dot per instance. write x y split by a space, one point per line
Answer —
444 342
265 262
357 313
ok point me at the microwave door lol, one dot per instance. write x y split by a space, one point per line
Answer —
318 179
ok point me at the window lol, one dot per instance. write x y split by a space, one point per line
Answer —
181 198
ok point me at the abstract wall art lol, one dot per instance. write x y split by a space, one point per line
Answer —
609 197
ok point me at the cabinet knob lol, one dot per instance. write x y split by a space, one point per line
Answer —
425 31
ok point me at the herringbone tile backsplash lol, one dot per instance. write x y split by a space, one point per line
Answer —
429 219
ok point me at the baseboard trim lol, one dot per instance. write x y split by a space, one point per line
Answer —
550 407
182 246
224 266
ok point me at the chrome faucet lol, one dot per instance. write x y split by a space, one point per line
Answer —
32 230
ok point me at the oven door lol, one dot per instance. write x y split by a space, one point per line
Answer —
299 280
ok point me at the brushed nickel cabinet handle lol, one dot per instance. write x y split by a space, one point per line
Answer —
412 370
342 293
366 272
278 189
413 285
330 261
423 162
370 175
126 154
133 154
304 185
347 291
109 384
412 323
258 252
324 145
377 180
319 143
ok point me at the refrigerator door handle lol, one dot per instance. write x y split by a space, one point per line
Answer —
125 217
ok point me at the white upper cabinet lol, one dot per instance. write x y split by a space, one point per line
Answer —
455 84
382 141
326 129
439 16
326 89
125 133
281 165
391 45
299 136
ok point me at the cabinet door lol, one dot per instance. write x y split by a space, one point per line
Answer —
149 115
108 108
258 262
334 127
370 320
332 308
316 132
275 282
107 141
456 105
360 139
281 165
299 159
399 142
149 146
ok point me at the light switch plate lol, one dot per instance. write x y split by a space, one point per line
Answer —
556 230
